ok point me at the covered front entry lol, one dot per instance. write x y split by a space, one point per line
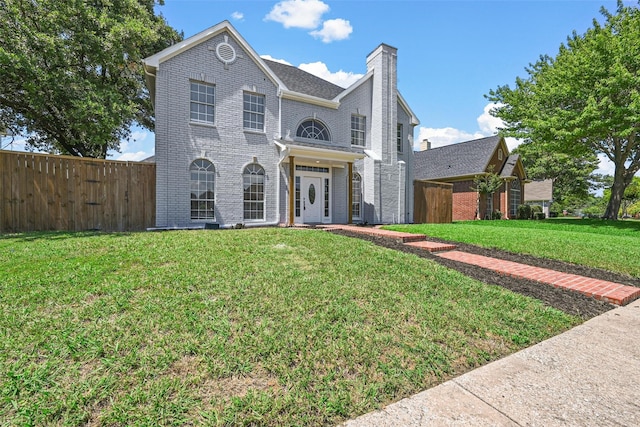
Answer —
311 171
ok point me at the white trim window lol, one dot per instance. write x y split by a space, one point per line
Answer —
358 130
202 174
253 192
253 111
399 133
514 198
313 129
356 196
202 106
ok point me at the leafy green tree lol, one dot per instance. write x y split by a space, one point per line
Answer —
586 100
630 197
72 78
572 176
487 184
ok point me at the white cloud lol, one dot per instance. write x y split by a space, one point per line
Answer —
333 30
439 137
271 58
340 78
606 166
488 125
133 157
238 16
306 14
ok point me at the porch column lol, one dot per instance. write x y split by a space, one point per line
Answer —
350 194
292 189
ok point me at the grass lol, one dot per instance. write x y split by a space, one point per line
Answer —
610 245
237 327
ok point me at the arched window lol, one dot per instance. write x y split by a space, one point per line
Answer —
514 198
202 189
253 184
356 197
313 129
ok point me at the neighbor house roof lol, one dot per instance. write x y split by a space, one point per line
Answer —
538 190
462 159
300 81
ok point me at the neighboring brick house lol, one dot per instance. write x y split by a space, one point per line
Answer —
539 193
241 139
460 163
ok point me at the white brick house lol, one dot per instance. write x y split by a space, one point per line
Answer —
240 139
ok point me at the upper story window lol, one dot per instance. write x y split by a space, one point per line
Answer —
202 102
313 129
357 130
202 189
253 112
399 138
500 155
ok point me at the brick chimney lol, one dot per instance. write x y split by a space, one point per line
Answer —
425 145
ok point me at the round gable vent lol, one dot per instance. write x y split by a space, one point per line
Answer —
225 52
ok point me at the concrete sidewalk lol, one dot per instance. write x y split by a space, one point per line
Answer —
588 376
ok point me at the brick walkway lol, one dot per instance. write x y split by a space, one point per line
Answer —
614 293
600 289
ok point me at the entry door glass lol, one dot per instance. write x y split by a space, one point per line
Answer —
312 199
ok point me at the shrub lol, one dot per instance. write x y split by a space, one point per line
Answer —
539 215
496 215
524 212
593 212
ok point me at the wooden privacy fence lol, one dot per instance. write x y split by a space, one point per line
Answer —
432 202
46 192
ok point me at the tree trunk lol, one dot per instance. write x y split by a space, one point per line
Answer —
617 190
621 180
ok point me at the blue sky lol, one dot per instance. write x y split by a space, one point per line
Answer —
450 53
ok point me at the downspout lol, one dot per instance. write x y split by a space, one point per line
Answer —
278 166
401 194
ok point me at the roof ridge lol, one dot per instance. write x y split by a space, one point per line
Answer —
462 142
271 61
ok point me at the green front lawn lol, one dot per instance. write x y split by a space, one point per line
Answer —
258 326
610 245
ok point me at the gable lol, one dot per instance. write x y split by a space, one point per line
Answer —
152 63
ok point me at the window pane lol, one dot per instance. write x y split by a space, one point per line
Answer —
253 114
202 189
253 197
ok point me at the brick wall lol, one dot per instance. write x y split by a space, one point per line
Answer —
386 186
465 201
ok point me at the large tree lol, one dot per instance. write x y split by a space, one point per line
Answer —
71 74
586 100
572 176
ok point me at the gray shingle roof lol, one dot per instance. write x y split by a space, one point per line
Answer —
300 81
462 159
509 165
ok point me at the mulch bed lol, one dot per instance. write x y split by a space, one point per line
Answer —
567 301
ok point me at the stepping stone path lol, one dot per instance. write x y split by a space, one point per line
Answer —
611 292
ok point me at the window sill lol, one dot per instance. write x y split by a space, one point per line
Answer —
203 124
254 131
